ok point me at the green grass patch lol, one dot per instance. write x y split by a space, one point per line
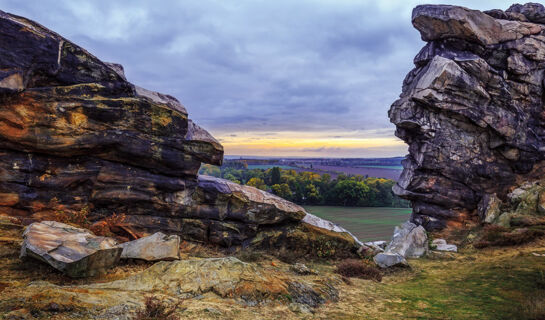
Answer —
507 288
366 223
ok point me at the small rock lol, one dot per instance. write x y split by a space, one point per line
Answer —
302 269
441 245
377 245
156 247
388 259
74 251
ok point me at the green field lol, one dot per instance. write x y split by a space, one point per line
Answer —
268 166
366 223
382 167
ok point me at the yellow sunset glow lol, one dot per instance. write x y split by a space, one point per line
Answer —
310 144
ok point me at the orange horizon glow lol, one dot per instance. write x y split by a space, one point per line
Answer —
310 144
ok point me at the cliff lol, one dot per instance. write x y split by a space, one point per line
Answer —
76 136
471 111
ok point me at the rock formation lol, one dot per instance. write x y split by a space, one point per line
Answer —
76 136
471 111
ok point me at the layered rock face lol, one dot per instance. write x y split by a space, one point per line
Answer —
471 111
76 136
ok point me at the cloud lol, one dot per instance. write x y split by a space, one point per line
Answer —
259 66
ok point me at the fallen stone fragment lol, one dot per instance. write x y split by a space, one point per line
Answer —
388 259
377 245
74 251
156 247
442 245
302 269
409 241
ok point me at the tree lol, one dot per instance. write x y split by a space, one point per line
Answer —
282 190
349 193
312 194
275 175
231 177
257 183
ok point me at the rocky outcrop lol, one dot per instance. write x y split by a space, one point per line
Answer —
77 137
74 251
197 282
471 111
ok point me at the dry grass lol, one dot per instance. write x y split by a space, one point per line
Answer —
154 309
494 235
352 268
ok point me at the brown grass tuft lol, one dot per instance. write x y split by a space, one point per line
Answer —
155 309
494 235
352 268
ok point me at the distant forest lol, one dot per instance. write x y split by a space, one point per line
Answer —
310 188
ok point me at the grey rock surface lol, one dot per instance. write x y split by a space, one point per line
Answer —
471 111
155 247
74 251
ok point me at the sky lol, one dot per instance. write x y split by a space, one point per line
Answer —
266 78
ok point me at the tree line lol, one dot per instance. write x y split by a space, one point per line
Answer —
311 188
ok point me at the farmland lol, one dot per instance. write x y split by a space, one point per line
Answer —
366 223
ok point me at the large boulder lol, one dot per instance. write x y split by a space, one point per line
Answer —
156 247
77 137
408 241
74 251
471 112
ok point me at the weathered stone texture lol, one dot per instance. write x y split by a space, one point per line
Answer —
471 110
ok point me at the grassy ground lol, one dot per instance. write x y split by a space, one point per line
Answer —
491 283
367 224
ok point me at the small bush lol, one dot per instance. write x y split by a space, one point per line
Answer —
155 309
77 218
104 227
352 268
494 235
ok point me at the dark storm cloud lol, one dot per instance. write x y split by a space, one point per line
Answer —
253 65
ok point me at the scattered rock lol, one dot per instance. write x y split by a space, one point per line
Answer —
74 251
377 246
389 259
156 247
408 241
441 245
302 269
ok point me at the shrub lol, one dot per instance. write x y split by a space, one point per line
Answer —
494 235
104 227
155 309
352 268
77 218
